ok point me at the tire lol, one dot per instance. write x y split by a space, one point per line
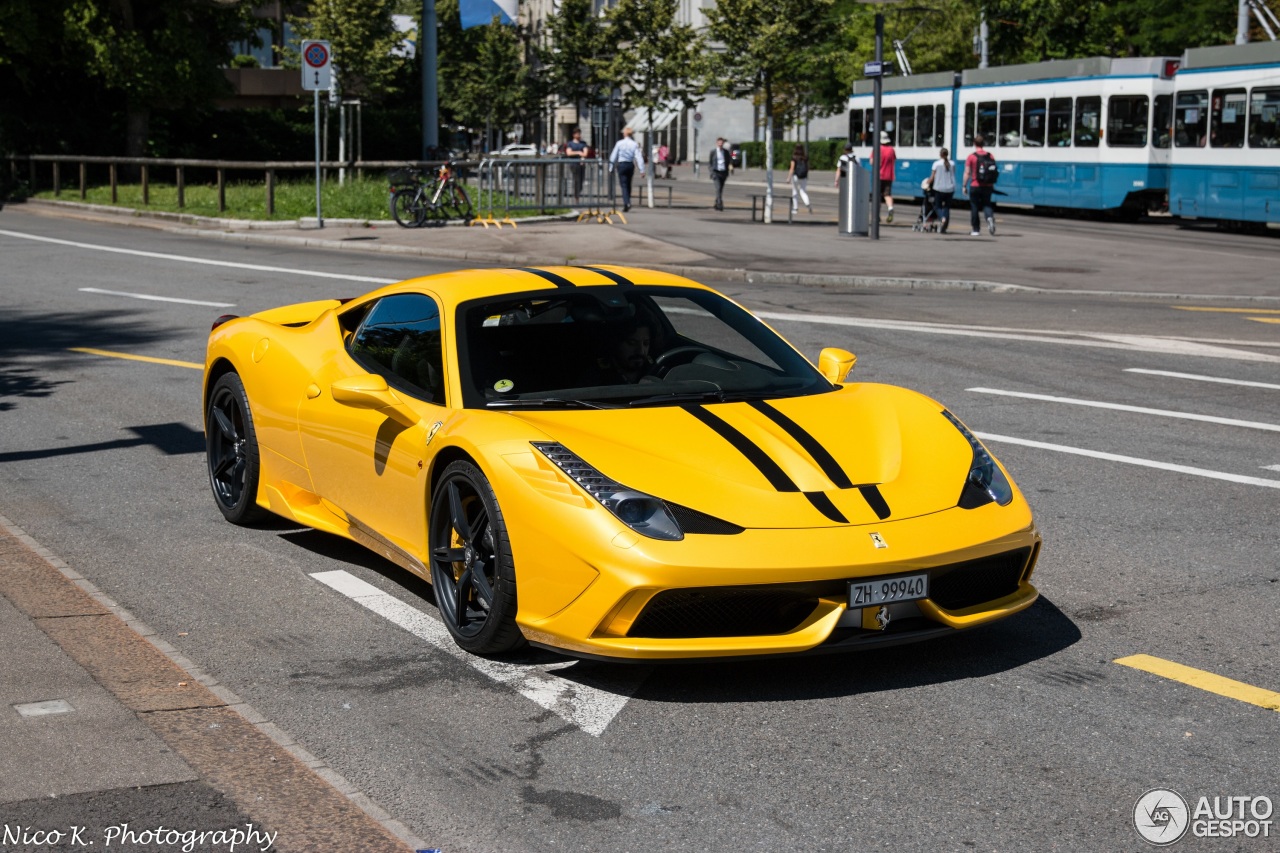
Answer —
472 571
231 452
458 203
406 210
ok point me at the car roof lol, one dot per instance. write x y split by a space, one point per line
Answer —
460 286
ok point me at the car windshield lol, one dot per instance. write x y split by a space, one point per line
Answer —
606 347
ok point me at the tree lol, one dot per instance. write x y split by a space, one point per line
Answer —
160 53
577 53
656 61
487 81
765 45
362 38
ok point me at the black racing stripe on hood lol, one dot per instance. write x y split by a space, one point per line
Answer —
557 280
825 506
612 276
825 460
876 501
757 457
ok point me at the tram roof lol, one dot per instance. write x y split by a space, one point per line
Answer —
1056 69
1224 56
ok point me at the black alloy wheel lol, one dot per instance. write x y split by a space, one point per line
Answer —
231 452
472 572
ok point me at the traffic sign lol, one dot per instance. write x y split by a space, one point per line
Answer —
877 69
697 121
317 66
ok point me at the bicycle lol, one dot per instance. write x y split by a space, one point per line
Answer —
415 204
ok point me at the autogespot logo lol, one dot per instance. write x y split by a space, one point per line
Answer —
1160 816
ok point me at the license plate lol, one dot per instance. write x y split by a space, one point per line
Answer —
869 593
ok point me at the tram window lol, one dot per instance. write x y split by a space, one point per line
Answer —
1059 122
924 127
987 121
968 125
1162 124
1227 128
1127 121
1033 123
1190 119
940 126
907 126
1088 113
855 126
889 118
1011 123
1264 118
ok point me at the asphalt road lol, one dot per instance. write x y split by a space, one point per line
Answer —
1024 735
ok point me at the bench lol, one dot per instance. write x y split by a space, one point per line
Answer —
657 191
757 206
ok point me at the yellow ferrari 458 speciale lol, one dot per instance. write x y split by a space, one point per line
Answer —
614 463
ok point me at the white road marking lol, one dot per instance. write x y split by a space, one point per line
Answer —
1271 467
152 298
205 261
587 706
1120 407
1199 378
1132 460
1131 343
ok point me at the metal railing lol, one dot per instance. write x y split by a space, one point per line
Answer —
528 184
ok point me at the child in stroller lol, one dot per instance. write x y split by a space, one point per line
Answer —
928 219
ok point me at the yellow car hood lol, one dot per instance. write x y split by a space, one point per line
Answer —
860 455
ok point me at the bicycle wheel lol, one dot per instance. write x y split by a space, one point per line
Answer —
407 208
456 201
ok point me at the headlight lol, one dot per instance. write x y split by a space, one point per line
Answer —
643 513
986 482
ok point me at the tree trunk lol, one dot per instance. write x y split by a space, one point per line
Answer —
137 130
768 153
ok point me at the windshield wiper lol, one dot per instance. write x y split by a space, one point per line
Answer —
545 403
716 396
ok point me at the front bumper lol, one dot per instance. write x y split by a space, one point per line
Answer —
806 572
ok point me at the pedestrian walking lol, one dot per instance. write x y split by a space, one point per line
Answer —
798 177
846 161
577 149
942 180
627 159
719 164
980 175
888 157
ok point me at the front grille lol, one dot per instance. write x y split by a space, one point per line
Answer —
692 521
725 612
966 584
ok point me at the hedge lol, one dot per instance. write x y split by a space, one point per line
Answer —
823 153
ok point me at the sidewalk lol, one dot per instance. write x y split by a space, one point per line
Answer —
1158 257
112 738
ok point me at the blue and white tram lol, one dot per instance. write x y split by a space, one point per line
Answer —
1089 134
1226 155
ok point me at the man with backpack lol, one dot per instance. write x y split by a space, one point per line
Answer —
980 175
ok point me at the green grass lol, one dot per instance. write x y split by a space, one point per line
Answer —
364 199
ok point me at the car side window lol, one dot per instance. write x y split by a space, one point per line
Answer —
400 339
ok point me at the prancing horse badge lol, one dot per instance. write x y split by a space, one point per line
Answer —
878 541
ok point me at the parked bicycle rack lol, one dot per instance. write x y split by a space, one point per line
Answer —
541 184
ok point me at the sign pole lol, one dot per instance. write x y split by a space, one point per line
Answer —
319 217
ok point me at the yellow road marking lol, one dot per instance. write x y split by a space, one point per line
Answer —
1268 699
1227 310
110 354
1265 319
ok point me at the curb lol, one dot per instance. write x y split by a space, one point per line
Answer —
238 231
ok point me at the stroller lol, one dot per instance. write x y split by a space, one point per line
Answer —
928 219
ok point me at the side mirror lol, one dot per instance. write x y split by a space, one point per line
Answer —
835 363
371 392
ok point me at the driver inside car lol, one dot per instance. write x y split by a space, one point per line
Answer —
628 361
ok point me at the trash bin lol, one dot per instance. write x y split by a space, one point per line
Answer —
855 202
